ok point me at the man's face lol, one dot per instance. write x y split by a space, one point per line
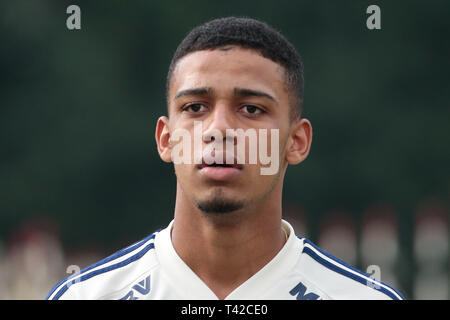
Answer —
222 89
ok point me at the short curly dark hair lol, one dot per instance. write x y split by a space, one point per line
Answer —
250 34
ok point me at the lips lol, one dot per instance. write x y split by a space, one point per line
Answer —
220 165
220 171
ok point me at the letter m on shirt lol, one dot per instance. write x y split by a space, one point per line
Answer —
299 292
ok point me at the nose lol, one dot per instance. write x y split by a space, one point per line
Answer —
221 119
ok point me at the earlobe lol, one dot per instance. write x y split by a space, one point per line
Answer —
299 142
162 137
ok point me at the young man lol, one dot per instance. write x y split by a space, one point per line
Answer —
228 239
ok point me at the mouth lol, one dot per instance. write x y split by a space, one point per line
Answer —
219 171
219 165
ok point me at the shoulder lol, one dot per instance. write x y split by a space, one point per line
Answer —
109 275
339 280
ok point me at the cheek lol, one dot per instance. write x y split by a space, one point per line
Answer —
179 172
185 177
184 144
272 151
282 141
257 185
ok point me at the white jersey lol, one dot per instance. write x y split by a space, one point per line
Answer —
151 269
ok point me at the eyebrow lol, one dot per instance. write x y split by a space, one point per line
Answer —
253 93
242 92
203 91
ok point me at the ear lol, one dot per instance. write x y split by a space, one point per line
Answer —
299 142
162 136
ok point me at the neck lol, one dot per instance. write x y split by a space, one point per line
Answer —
226 250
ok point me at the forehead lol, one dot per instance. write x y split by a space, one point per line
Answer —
226 68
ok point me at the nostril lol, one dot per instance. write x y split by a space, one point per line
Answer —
209 137
232 139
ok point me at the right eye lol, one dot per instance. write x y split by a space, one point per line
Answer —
195 108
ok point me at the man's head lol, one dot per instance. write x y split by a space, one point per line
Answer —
240 74
249 34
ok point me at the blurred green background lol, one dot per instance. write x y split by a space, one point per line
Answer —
78 111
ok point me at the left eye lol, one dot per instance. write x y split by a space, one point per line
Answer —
250 109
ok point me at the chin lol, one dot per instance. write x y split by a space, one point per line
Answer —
213 207
219 202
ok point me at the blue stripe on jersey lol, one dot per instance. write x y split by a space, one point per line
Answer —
112 257
348 274
107 269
